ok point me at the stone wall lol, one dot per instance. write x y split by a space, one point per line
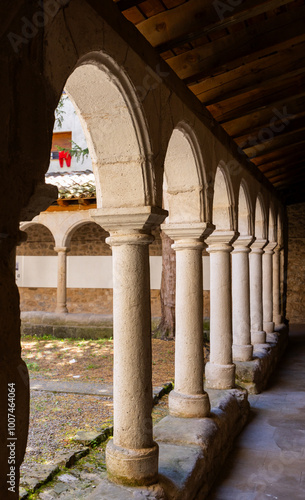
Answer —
296 264
88 239
87 300
39 242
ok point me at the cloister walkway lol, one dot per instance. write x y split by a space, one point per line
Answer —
268 459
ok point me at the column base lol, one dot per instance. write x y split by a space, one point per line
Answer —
278 320
61 310
189 405
242 352
258 337
268 326
219 376
135 467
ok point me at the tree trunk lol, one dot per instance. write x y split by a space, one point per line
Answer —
168 288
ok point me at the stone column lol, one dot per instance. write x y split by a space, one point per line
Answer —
268 324
277 316
242 347
61 304
132 455
220 371
189 398
258 335
282 283
14 379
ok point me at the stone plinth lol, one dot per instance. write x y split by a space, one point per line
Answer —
254 375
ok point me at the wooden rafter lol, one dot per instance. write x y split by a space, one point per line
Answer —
246 64
278 32
198 18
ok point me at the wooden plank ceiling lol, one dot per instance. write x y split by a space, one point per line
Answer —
245 61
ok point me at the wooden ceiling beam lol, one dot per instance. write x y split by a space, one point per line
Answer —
285 161
128 4
277 143
292 106
277 129
285 171
237 107
286 182
198 18
249 76
279 154
258 39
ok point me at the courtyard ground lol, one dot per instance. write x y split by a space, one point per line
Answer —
55 418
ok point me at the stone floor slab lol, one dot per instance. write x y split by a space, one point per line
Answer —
276 430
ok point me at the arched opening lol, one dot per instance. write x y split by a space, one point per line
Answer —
260 219
272 228
184 198
89 270
222 202
183 188
244 211
36 269
115 130
119 145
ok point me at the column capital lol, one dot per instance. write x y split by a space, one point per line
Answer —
243 243
278 248
129 221
269 248
190 235
61 249
258 245
221 240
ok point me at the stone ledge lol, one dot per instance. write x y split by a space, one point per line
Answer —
191 452
254 375
85 326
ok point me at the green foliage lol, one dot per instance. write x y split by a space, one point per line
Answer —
76 151
32 366
60 112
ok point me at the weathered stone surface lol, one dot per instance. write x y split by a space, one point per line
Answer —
296 264
110 491
254 375
192 451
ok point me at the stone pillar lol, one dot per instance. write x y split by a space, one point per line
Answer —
242 347
277 316
220 371
258 335
14 379
282 283
189 398
268 324
61 304
132 455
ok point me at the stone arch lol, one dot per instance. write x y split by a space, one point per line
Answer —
280 234
223 200
244 211
45 238
106 102
272 224
184 177
88 238
260 218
